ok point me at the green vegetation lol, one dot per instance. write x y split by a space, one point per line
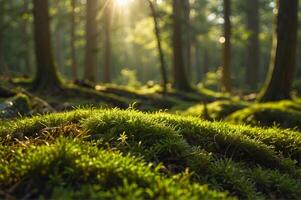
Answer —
285 114
247 162
217 110
150 99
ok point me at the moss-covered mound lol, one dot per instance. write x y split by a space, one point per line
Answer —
285 114
217 110
70 169
247 162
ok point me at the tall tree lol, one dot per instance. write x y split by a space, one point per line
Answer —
253 49
226 70
107 40
180 81
91 40
26 37
280 77
159 45
186 8
72 40
46 77
2 57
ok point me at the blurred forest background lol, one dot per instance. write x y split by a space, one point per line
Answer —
124 47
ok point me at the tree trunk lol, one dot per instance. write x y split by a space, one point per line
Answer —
159 46
253 49
72 40
46 77
226 71
179 73
26 32
91 41
186 36
280 77
107 41
2 39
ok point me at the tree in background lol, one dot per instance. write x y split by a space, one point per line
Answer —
186 9
226 70
72 40
109 5
91 40
2 57
46 77
253 49
280 77
159 45
180 81
26 37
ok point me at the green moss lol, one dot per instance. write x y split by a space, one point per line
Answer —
217 110
248 162
80 170
285 114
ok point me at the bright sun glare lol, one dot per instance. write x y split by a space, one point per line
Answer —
123 2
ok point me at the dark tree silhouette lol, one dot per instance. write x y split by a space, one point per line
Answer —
91 40
180 81
280 77
107 41
253 49
159 45
226 71
46 77
72 40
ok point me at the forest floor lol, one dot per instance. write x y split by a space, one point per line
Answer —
107 141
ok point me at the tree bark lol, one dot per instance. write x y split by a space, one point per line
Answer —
180 81
159 46
91 41
2 39
46 77
26 32
186 35
107 41
72 40
253 49
226 71
280 77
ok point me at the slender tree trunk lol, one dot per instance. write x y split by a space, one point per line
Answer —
46 77
2 56
281 74
91 41
179 73
26 32
226 71
186 35
107 41
159 46
253 49
72 40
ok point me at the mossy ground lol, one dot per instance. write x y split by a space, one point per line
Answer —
98 151
284 114
105 153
